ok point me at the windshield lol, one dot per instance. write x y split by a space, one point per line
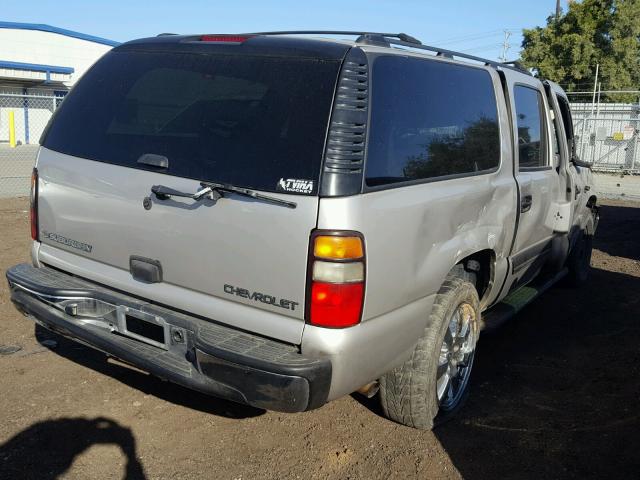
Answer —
253 121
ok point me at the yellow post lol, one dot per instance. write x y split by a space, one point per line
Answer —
12 129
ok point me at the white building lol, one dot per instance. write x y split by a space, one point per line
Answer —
38 65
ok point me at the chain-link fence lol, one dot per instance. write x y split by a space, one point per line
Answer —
23 117
608 135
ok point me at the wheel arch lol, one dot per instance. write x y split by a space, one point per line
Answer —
483 264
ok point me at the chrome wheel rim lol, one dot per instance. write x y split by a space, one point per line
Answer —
456 356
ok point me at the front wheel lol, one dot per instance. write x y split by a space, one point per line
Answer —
432 385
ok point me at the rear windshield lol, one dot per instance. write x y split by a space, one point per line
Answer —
252 121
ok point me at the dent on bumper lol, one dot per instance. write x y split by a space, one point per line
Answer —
210 358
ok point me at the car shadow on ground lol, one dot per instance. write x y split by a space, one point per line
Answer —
143 381
47 449
555 392
619 237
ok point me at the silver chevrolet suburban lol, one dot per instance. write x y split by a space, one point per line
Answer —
282 220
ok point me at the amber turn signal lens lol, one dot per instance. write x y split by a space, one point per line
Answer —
338 248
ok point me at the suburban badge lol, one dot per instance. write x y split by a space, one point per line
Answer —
85 247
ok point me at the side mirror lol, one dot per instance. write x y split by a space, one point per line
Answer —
580 163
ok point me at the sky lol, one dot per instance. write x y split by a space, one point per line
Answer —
471 26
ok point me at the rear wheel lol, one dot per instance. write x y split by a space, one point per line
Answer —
432 385
579 261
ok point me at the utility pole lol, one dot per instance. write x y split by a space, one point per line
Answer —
558 11
505 46
595 89
593 102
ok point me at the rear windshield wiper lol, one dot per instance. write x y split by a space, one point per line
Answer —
213 191
246 192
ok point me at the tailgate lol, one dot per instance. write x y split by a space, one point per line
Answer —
92 220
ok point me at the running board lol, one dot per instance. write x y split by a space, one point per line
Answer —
517 300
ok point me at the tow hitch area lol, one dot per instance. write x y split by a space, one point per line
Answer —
129 322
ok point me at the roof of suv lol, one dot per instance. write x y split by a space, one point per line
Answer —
298 43
322 49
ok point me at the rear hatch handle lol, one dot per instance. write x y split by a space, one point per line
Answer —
214 191
153 160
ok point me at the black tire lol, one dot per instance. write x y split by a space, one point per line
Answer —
409 393
579 261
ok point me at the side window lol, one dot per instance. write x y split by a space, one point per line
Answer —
566 121
529 108
430 119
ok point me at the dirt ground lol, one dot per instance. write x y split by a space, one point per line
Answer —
554 394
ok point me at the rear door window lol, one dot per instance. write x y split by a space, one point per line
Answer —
430 119
246 120
529 117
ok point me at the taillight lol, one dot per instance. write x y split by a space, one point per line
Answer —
33 207
337 275
225 38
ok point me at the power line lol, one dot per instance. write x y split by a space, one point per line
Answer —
492 46
463 38
473 36
469 39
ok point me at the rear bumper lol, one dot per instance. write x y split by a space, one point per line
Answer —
197 353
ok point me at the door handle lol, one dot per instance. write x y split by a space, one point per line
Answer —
525 203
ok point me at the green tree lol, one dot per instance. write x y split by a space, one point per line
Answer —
605 32
476 148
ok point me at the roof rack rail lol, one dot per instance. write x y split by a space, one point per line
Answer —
442 52
401 36
403 40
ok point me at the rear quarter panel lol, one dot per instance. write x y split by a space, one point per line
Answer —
415 235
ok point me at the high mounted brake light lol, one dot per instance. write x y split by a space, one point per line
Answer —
336 279
225 38
33 205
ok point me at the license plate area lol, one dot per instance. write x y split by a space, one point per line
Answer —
144 327
149 330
